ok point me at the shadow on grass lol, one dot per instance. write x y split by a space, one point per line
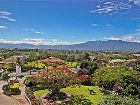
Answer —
78 100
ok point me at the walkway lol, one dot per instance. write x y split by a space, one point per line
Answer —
5 100
21 98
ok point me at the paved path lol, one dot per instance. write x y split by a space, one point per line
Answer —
21 98
5 100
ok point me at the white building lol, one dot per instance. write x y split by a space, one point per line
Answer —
18 70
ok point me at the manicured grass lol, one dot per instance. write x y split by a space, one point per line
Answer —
40 92
72 64
83 90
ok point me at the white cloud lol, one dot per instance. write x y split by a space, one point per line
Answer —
33 30
95 25
6 15
2 27
98 25
29 29
37 41
11 19
128 38
37 32
92 11
33 39
26 29
136 2
107 3
105 9
111 7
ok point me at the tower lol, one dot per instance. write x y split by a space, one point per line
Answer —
18 70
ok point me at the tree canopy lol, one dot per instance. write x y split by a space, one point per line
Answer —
128 79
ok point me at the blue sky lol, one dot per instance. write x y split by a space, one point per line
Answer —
68 21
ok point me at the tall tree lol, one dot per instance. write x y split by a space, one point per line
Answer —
5 76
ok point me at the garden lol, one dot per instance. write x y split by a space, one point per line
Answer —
12 87
78 91
94 83
61 86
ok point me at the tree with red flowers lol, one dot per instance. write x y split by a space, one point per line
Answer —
55 79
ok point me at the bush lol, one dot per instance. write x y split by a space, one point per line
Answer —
77 100
85 79
15 91
10 91
5 87
119 100
89 66
30 81
5 76
121 76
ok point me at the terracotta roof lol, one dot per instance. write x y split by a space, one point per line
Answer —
52 60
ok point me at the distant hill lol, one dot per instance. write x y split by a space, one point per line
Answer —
110 45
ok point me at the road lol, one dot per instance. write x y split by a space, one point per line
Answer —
4 99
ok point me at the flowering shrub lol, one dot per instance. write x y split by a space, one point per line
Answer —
85 79
55 79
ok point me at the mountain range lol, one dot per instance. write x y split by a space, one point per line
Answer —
110 45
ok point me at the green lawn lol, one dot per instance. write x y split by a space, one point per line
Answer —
83 90
72 64
39 93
